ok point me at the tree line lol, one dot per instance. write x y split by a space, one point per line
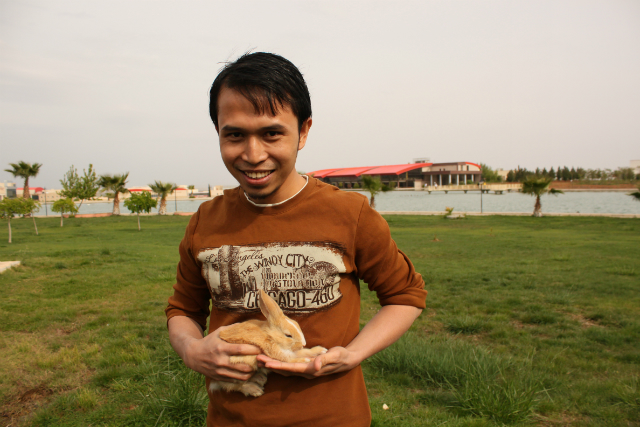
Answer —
86 187
78 188
560 174
573 174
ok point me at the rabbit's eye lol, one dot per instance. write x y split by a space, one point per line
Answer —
288 336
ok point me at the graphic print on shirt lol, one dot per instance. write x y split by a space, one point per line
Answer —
301 276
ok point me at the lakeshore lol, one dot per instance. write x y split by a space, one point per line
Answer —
421 213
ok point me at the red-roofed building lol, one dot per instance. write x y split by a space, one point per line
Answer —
396 169
33 192
349 172
322 173
409 175
31 189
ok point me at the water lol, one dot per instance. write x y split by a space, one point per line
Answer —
570 202
190 205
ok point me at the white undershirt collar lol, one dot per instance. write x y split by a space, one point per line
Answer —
268 205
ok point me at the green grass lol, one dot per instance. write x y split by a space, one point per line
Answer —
530 321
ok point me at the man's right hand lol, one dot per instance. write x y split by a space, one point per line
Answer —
210 355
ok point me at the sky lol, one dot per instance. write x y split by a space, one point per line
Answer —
124 85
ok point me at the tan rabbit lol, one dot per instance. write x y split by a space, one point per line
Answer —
279 338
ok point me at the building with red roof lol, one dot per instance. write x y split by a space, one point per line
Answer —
349 172
34 192
32 189
408 175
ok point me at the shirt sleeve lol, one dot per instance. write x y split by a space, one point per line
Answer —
384 267
190 293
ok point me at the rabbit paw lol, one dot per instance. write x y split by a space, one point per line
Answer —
310 353
259 378
317 351
252 389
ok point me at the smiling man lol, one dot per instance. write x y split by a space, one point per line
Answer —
304 242
260 150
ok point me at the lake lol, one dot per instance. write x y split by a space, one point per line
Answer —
571 202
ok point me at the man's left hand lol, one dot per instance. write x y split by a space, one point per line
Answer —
337 359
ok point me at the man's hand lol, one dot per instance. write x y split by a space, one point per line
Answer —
209 355
335 360
383 330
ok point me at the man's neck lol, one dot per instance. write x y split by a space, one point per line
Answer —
261 203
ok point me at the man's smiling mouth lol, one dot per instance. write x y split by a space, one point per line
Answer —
257 174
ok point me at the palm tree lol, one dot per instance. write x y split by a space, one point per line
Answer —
374 186
537 187
116 184
24 170
163 189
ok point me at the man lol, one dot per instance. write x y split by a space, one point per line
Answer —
304 242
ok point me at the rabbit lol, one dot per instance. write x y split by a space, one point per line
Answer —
279 337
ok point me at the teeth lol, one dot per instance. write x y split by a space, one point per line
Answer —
257 175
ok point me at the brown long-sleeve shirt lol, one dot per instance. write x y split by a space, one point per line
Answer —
309 254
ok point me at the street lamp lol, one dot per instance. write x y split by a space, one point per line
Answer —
46 210
481 191
175 197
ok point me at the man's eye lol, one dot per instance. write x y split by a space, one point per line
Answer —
273 133
234 135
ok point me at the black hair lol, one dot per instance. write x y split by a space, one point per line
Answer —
268 81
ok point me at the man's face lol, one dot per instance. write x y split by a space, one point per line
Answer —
260 151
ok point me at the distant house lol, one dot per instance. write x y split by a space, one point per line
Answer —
49 196
7 190
502 173
33 191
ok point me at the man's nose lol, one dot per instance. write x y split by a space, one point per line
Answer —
254 151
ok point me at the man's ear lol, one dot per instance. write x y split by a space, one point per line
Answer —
304 132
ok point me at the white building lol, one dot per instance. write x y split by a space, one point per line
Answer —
7 189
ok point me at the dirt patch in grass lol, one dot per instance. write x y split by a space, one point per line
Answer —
35 394
584 322
17 409
563 420
66 331
519 325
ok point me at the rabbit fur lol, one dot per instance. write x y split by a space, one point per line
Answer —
279 337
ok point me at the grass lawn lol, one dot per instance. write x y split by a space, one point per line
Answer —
530 321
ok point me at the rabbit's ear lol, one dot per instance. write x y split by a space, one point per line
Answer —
269 307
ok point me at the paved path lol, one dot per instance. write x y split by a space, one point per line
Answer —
5 265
